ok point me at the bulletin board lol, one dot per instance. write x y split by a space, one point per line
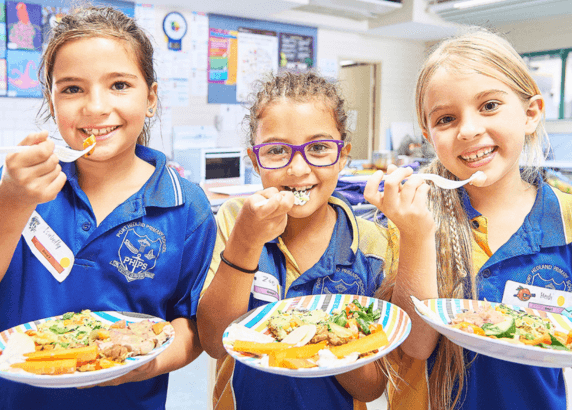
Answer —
265 44
24 31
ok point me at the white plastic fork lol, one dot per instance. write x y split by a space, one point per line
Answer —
437 180
451 184
64 154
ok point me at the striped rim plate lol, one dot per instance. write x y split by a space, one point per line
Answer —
395 322
445 309
79 379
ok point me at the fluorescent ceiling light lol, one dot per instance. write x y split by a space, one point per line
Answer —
474 3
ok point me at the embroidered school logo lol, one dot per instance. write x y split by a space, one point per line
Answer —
524 294
538 280
329 286
138 255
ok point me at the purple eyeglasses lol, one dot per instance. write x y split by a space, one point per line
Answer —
320 153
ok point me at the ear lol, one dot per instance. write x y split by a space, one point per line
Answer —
252 157
51 108
152 100
534 113
344 155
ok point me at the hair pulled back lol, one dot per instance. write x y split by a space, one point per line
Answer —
90 22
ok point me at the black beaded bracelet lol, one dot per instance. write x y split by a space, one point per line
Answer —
232 265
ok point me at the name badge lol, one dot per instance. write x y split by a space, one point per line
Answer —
539 298
47 246
265 287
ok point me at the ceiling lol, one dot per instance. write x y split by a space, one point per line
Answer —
425 20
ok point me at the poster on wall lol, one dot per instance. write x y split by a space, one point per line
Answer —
3 30
296 52
22 73
24 24
3 79
50 17
257 55
222 56
175 28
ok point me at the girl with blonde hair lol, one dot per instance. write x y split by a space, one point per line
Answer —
480 108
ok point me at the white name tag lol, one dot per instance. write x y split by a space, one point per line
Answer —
47 246
536 297
265 287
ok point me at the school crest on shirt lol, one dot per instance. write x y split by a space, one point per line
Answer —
139 251
349 283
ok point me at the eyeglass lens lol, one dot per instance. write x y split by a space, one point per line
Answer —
319 153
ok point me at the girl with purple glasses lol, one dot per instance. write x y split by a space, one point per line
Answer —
296 237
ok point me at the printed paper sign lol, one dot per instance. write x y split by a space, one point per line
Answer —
539 298
265 287
47 246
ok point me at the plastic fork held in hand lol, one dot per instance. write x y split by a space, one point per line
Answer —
64 154
445 183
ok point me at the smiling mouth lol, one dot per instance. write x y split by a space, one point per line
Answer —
97 132
478 155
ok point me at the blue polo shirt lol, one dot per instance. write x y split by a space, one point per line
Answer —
352 264
538 255
170 217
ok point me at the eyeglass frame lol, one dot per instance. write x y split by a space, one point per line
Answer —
298 148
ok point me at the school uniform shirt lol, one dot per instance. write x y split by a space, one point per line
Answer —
150 255
532 269
352 264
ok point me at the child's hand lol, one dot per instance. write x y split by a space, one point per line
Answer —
404 204
33 176
262 222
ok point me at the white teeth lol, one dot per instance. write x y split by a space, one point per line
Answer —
98 131
478 154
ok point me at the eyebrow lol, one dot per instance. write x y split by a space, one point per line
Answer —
111 76
479 96
321 136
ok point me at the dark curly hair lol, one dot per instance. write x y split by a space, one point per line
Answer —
298 87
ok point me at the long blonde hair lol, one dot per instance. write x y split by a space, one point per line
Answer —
482 52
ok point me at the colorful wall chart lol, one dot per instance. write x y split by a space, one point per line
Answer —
24 22
3 30
22 75
225 91
222 56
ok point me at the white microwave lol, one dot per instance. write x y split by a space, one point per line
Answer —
212 165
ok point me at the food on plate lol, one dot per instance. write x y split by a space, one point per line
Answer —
314 338
512 325
81 342
87 142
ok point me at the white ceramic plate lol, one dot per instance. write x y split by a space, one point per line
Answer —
395 321
79 379
441 311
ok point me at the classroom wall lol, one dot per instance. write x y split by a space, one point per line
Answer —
400 60
550 34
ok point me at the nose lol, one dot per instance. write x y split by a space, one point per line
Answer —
96 103
471 126
298 166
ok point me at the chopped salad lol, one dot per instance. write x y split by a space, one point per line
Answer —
516 326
